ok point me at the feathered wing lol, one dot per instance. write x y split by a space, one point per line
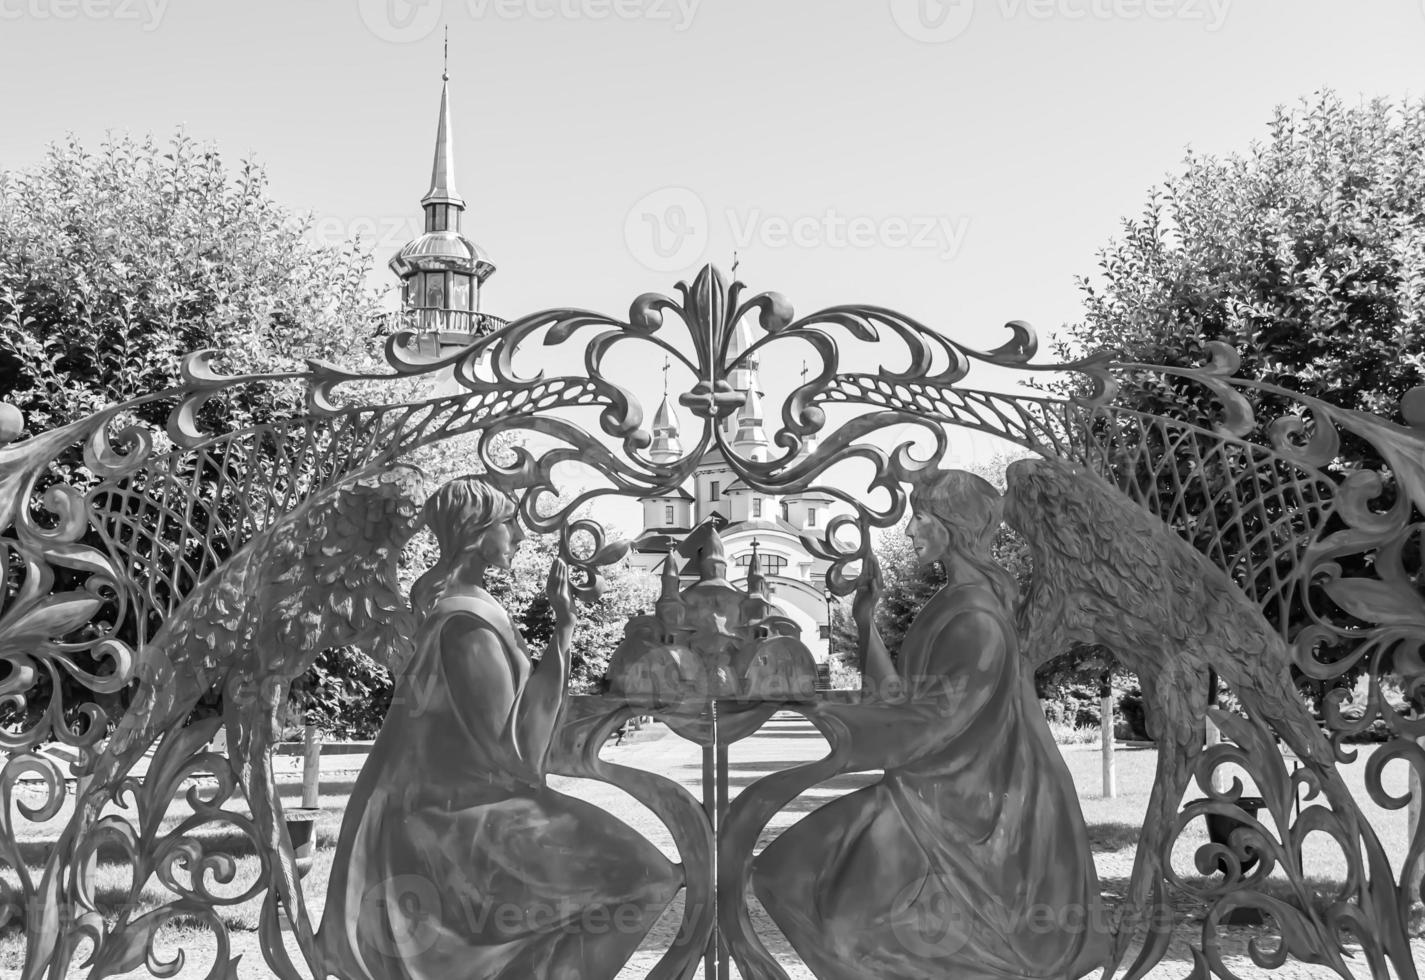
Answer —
323 576
1108 572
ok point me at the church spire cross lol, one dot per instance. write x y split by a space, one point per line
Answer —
442 193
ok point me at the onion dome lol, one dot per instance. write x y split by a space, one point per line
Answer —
666 445
750 437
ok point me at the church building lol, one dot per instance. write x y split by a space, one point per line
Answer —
778 529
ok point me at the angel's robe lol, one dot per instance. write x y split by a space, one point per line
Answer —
454 859
970 858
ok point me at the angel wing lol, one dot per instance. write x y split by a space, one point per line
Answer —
1107 571
323 576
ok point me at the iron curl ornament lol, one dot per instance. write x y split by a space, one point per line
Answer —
189 565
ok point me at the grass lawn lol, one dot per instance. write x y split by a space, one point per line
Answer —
1113 829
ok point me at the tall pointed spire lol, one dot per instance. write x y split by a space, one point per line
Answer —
442 271
442 174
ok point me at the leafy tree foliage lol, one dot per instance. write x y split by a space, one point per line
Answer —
115 263
1306 254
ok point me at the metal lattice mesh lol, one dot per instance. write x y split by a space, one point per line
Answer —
1250 511
175 521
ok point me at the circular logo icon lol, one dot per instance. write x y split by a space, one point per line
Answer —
667 230
933 21
928 924
404 912
400 21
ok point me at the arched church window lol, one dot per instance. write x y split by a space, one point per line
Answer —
770 564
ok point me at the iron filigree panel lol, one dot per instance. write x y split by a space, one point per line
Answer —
186 567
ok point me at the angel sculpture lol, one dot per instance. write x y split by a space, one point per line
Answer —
455 858
1108 572
322 576
970 856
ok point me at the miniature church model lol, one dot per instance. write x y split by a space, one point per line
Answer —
714 640
776 529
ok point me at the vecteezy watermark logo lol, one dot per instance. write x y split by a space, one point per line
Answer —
936 21
667 230
406 21
401 21
927 922
380 234
148 13
679 13
831 229
408 909
933 21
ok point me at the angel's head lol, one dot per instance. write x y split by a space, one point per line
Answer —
953 512
474 525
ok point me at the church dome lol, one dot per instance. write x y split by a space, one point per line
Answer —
666 417
666 445
439 251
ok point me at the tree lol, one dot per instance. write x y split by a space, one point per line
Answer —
1307 254
113 264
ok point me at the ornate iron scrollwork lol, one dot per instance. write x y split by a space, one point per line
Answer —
142 575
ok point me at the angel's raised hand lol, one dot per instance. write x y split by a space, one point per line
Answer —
868 590
560 593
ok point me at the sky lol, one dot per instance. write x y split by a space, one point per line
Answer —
961 161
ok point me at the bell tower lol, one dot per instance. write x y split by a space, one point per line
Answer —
442 271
